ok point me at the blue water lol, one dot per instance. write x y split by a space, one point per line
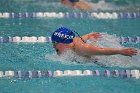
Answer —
36 56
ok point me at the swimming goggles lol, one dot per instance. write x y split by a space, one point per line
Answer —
54 46
54 43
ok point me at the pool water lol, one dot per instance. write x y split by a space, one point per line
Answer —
41 56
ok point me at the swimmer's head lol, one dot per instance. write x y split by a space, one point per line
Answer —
63 35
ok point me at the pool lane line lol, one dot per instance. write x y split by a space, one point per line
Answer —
96 15
72 73
42 39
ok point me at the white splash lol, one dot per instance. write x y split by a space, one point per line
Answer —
111 41
103 5
68 57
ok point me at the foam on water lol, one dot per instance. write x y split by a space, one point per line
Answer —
68 57
111 41
103 5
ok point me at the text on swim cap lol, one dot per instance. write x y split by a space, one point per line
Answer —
63 35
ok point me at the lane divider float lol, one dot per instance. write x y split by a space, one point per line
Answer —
42 39
100 15
71 73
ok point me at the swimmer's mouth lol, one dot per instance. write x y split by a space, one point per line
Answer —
56 50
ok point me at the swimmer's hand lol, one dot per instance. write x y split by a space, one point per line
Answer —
95 36
128 52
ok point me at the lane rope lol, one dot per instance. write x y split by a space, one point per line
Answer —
96 15
69 73
42 39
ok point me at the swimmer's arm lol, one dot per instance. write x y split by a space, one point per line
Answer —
94 35
113 51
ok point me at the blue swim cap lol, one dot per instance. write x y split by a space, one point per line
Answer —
63 35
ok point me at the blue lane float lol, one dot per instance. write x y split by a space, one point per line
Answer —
100 15
42 39
32 74
22 15
6 39
72 73
129 15
128 39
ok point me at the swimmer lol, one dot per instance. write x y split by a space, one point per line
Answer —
79 4
64 38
